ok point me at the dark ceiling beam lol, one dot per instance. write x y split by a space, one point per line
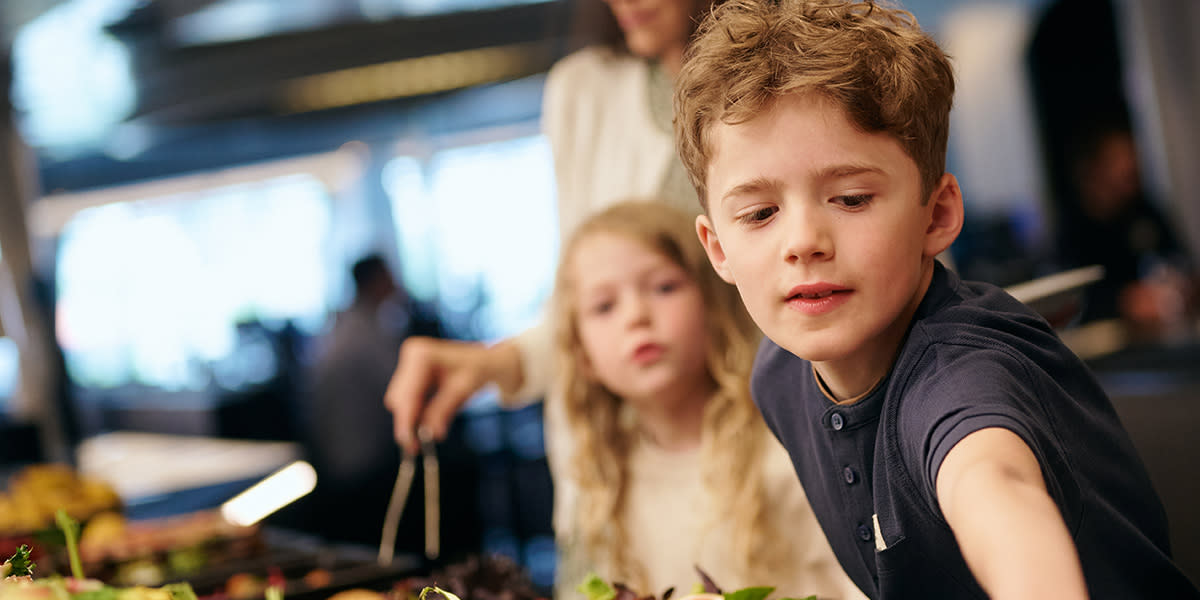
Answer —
15 14
244 78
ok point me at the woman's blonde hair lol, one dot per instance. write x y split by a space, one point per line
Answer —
604 431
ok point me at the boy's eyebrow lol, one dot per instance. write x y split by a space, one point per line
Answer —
847 170
756 185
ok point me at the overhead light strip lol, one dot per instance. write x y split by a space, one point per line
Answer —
413 76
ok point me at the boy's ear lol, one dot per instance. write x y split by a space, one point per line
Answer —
712 247
945 215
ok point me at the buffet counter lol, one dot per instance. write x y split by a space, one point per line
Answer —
161 474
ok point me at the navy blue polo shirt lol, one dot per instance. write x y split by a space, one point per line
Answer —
973 358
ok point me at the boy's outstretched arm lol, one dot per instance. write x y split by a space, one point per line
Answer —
1010 531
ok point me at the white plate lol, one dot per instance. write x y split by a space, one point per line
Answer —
1050 294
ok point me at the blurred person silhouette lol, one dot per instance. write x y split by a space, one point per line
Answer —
1103 213
349 439
1110 221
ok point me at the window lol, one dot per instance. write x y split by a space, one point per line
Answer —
151 292
478 232
9 372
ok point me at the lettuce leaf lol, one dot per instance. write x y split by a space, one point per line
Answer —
19 565
596 589
70 529
750 593
437 590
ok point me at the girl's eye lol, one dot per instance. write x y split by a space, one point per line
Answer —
600 308
854 201
667 287
759 215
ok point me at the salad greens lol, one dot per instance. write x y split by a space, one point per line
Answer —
70 530
595 588
76 587
19 565
437 590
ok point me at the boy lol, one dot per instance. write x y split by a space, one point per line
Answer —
951 446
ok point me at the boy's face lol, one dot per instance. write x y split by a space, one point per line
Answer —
823 230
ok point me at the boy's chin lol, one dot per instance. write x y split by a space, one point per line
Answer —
813 350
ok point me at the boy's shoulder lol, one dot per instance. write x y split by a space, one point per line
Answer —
966 312
978 327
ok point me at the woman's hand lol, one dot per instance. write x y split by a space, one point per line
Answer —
434 378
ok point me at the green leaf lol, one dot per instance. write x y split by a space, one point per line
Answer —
103 593
750 593
437 590
19 564
813 597
70 531
185 561
180 591
596 588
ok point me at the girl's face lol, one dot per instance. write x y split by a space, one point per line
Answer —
641 321
656 29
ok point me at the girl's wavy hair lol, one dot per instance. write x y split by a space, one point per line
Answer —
872 60
603 428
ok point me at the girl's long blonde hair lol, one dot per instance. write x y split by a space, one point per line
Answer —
603 429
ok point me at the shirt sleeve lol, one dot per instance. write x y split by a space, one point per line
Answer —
566 122
536 347
971 390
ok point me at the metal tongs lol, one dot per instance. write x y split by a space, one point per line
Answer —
399 499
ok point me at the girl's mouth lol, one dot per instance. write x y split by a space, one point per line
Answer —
648 353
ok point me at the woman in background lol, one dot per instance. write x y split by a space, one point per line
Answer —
607 114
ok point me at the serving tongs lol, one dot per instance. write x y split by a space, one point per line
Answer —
399 499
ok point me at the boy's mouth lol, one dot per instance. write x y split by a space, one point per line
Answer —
814 295
816 299
814 291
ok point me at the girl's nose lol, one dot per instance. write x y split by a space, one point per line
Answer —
637 310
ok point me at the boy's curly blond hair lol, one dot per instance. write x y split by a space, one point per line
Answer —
603 430
872 60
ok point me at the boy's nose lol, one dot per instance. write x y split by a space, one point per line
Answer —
807 237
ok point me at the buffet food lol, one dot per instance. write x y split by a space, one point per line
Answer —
595 588
487 577
36 492
18 582
153 551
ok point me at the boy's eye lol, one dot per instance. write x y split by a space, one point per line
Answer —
760 214
854 201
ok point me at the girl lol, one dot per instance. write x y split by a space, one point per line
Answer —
670 464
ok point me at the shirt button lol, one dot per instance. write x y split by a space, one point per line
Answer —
864 533
837 421
850 475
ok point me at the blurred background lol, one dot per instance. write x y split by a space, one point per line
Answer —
188 185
